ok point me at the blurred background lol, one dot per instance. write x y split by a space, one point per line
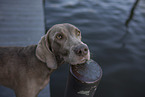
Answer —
114 30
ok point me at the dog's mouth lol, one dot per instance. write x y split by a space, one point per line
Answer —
82 61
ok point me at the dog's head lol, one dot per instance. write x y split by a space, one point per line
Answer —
63 40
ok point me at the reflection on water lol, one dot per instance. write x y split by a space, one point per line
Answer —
102 23
131 13
129 19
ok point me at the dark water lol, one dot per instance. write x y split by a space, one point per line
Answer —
120 52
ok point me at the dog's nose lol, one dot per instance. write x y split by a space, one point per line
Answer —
81 50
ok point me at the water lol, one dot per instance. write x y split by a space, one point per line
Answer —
120 52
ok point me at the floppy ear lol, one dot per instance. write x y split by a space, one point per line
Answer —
44 54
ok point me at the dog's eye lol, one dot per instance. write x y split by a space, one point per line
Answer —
59 36
78 33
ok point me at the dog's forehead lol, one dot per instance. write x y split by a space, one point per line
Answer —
67 29
64 28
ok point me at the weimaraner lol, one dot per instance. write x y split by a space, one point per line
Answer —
26 70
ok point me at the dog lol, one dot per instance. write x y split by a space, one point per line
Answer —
27 70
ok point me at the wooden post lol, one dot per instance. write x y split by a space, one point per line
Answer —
83 79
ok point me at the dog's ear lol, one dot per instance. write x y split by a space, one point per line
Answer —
44 54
